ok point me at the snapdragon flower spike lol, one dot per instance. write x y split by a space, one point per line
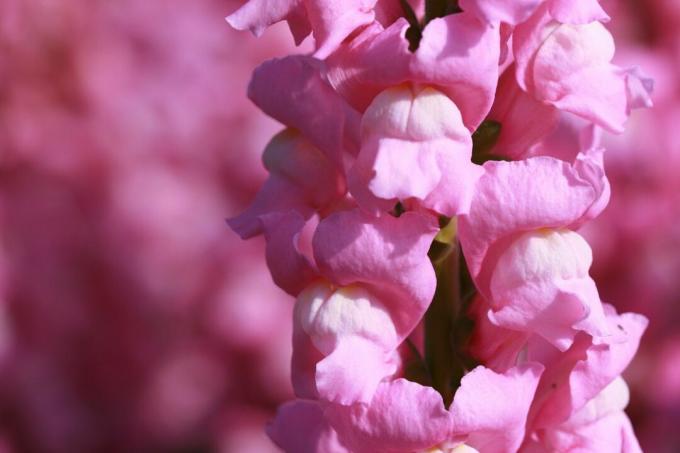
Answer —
521 253
457 55
566 62
301 179
600 426
373 284
414 147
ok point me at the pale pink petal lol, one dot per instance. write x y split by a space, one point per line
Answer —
516 197
491 409
414 145
639 88
599 426
573 378
356 337
579 12
258 15
402 417
494 11
333 21
569 66
494 346
541 285
353 370
277 194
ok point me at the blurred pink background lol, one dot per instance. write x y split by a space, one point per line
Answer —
132 319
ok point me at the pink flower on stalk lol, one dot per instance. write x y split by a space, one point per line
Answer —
520 249
488 413
301 178
365 289
572 377
601 426
416 149
306 161
563 58
457 55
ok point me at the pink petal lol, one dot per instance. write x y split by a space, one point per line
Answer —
541 285
388 255
300 427
495 11
294 91
577 376
639 88
257 15
515 197
302 179
569 67
290 269
495 346
356 337
402 417
414 145
353 371
524 120
491 409
581 12
333 21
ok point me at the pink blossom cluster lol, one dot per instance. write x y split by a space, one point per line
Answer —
125 316
422 206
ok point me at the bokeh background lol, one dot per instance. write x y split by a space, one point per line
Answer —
133 320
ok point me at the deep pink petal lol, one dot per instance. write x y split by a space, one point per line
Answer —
294 91
300 427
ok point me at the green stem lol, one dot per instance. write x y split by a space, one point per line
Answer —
440 320
447 326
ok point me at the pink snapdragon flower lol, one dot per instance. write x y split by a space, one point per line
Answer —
464 68
369 283
520 249
415 148
600 426
565 61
